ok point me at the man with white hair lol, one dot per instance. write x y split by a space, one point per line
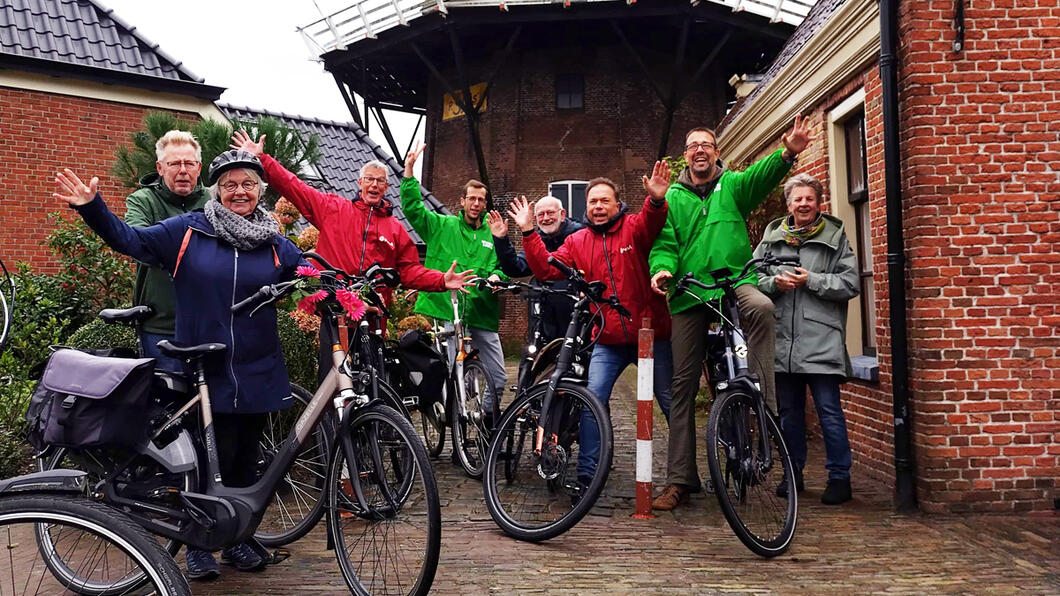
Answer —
172 190
553 226
354 233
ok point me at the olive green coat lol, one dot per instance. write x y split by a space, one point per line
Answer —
811 321
154 287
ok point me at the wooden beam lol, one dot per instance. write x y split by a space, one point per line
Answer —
352 105
471 115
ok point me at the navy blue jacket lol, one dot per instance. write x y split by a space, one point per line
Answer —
212 276
555 310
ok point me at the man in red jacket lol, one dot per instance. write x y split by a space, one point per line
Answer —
354 233
613 248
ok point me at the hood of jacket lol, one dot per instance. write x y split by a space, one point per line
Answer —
157 185
383 208
553 240
609 225
701 190
831 234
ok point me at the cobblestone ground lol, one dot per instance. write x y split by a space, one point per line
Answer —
858 548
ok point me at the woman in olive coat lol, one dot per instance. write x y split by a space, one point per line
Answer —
810 303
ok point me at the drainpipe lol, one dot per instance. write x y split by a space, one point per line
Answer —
905 478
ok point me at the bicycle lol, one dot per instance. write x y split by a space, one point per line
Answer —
298 503
532 487
379 481
90 548
746 453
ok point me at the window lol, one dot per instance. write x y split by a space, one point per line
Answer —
858 197
572 194
570 91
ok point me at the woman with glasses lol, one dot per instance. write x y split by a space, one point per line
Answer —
217 257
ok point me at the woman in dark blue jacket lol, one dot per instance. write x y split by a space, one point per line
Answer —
217 257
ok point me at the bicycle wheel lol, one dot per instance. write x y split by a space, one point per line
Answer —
103 545
298 503
746 473
135 480
537 496
470 434
390 543
433 431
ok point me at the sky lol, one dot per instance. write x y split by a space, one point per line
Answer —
253 50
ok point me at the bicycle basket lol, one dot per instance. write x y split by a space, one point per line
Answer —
89 401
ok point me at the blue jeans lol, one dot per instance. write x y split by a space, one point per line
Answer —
791 397
606 364
149 342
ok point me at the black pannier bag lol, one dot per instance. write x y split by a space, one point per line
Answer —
423 366
90 401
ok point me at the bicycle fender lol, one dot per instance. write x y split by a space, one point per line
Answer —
48 481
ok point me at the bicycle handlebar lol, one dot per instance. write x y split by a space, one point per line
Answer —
728 281
593 289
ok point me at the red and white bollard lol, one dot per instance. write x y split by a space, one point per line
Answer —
645 374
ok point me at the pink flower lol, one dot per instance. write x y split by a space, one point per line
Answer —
308 304
355 307
307 271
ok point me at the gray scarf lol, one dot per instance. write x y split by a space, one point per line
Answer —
244 233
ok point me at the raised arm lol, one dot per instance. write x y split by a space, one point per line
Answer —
649 221
512 263
754 184
316 206
424 221
536 253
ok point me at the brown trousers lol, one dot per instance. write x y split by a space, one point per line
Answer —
689 347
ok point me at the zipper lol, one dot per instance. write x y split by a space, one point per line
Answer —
364 239
614 287
794 309
232 330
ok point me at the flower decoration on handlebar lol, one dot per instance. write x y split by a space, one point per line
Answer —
309 294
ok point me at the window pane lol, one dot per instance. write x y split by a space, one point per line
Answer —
570 91
577 201
854 130
562 192
864 237
868 316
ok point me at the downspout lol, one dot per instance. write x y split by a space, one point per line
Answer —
905 478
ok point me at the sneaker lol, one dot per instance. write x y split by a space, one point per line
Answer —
201 565
837 491
671 496
782 488
243 557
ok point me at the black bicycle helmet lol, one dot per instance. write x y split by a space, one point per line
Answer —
231 160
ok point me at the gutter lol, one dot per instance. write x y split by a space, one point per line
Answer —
905 483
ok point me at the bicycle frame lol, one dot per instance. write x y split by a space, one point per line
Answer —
222 515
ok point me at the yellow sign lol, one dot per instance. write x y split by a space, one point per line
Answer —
452 110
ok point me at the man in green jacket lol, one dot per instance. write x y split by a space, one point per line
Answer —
705 231
462 239
173 190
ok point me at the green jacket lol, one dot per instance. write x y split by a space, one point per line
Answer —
449 238
147 206
705 234
811 321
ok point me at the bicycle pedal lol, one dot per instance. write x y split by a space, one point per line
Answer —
439 411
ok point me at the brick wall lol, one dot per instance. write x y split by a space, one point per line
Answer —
42 133
980 145
981 151
528 142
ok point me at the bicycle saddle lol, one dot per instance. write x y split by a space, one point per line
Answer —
126 316
189 352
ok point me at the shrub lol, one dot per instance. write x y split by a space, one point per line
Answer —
91 275
299 351
97 335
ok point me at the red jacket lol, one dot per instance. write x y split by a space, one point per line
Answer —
616 254
353 236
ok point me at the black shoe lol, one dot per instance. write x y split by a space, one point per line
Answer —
243 557
201 565
837 492
578 490
782 488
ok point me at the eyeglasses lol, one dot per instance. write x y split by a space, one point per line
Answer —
186 164
547 213
698 146
247 185
379 181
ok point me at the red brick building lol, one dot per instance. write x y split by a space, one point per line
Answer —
75 80
979 126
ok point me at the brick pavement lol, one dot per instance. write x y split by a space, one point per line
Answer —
861 547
